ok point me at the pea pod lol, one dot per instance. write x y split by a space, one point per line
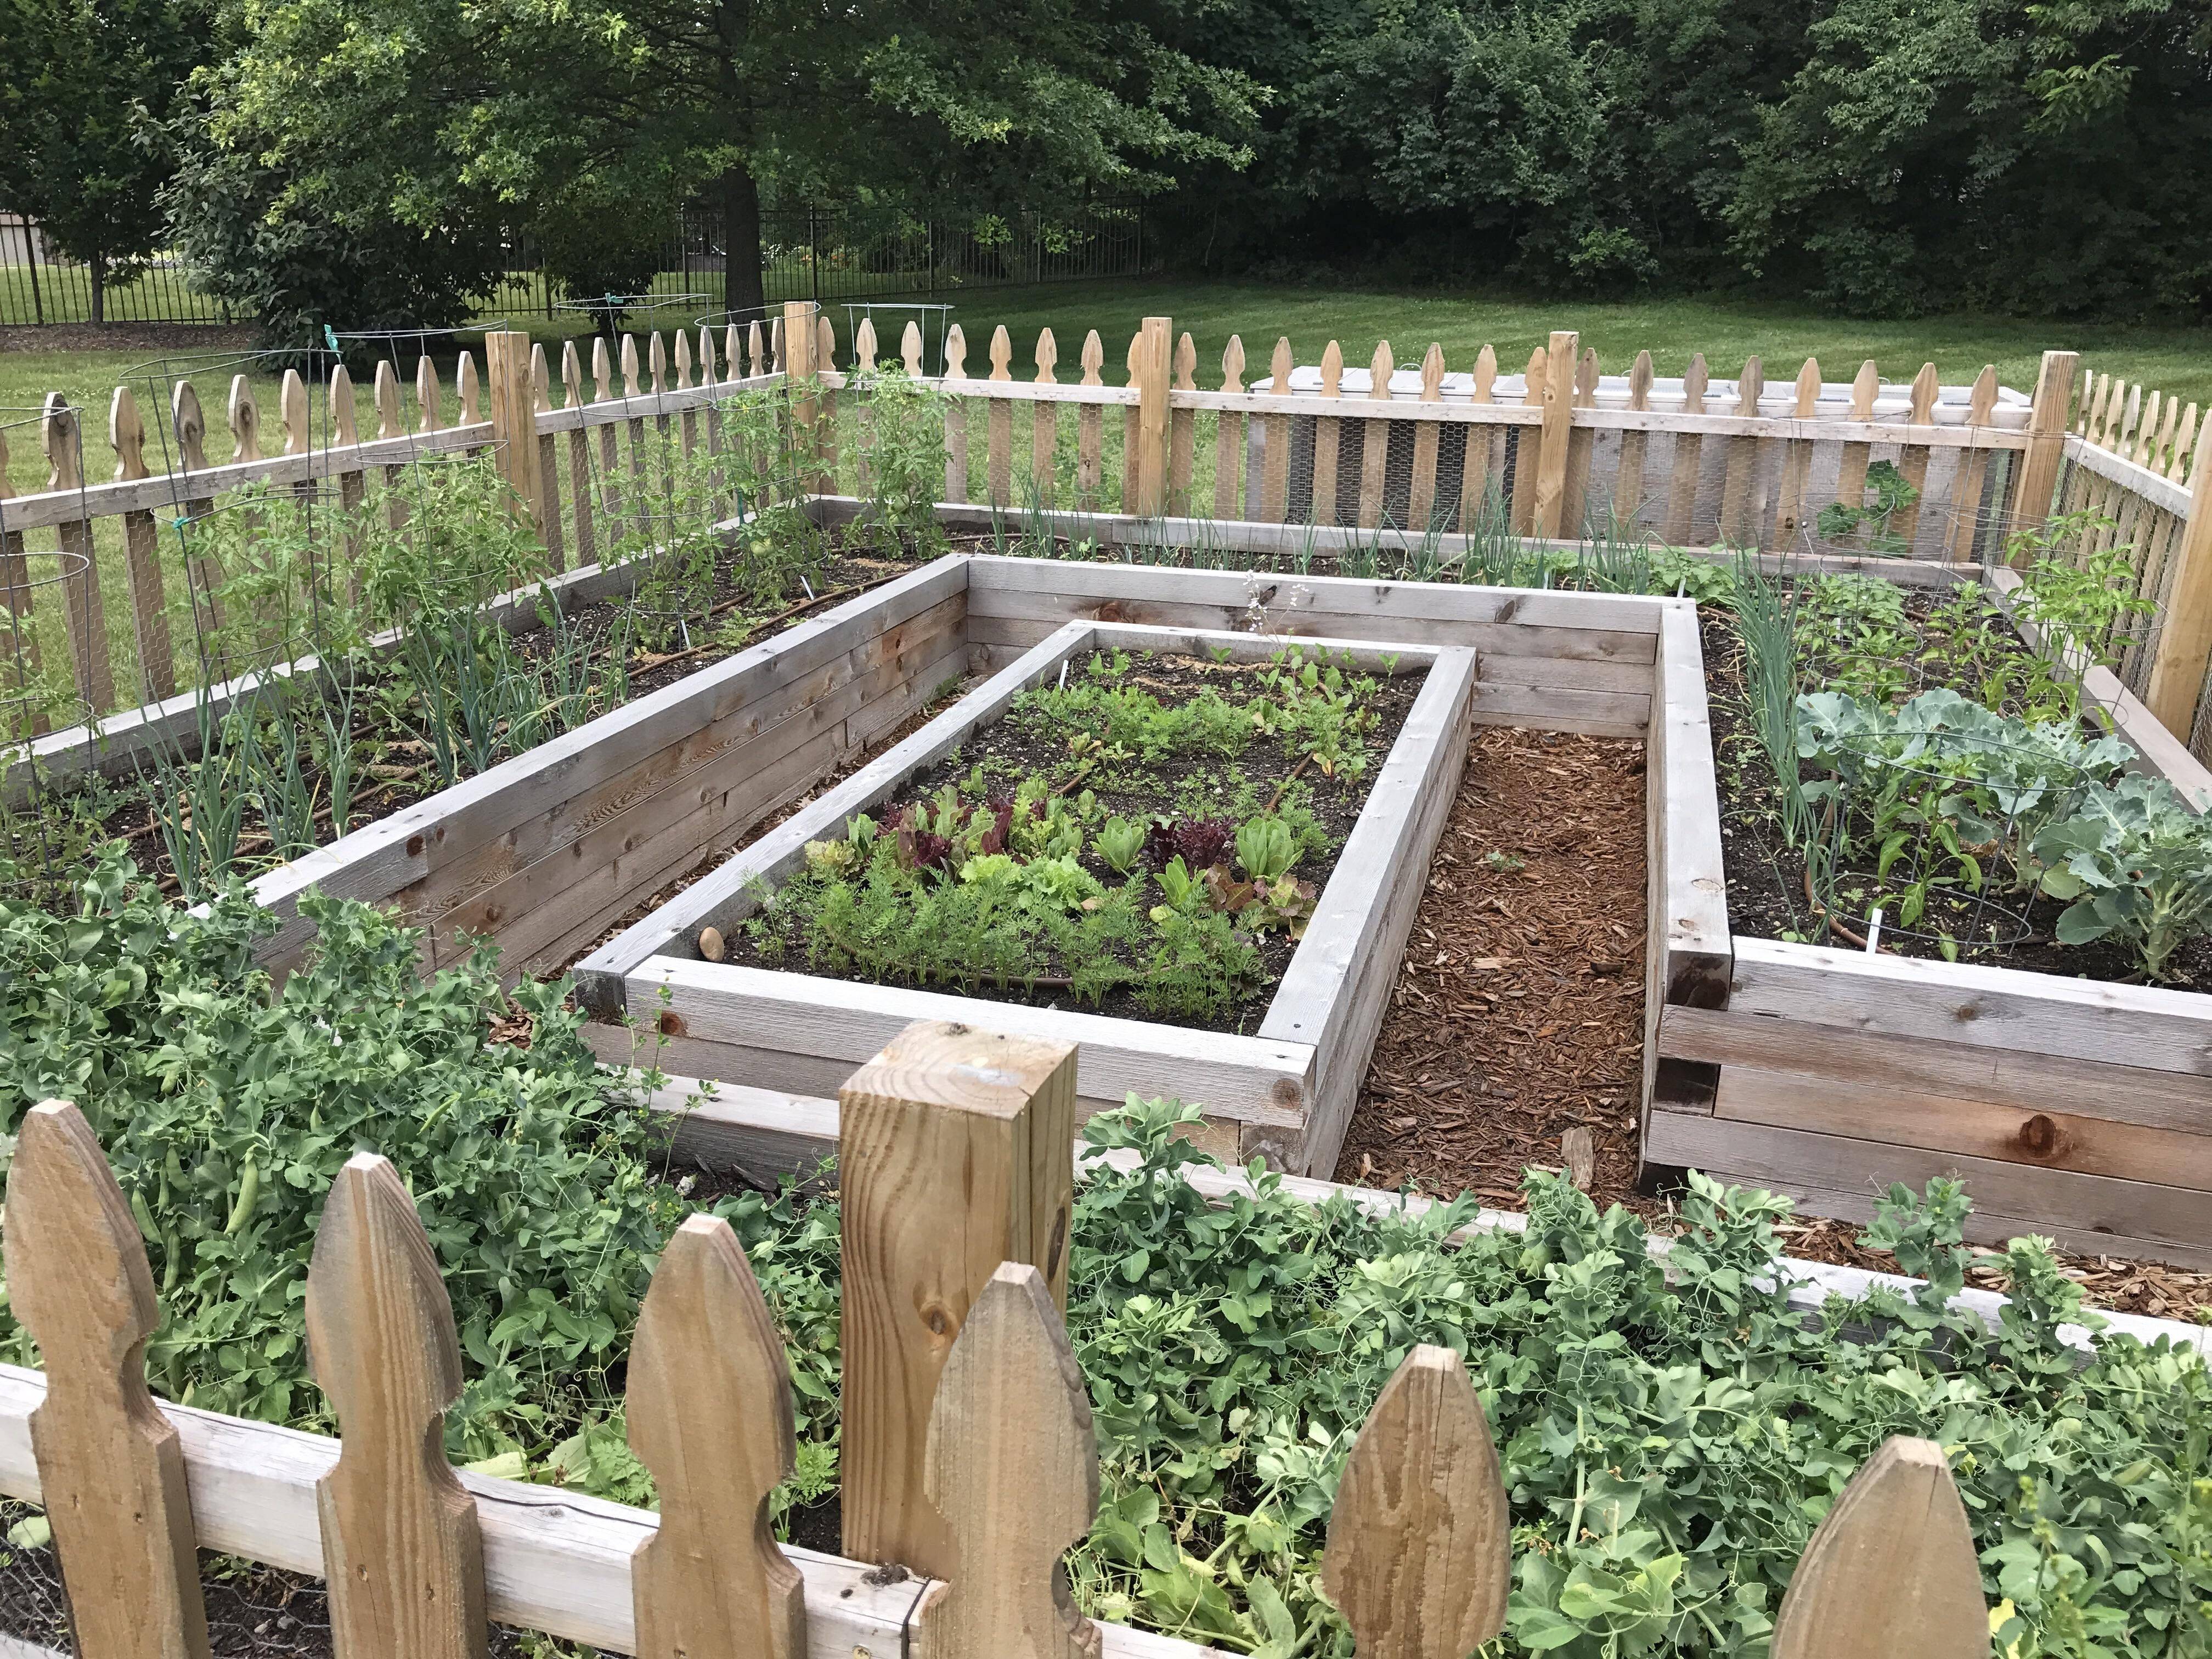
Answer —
249 1189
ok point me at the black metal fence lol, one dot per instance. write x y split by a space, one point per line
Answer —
806 254
37 286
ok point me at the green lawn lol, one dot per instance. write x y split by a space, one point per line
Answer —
2174 358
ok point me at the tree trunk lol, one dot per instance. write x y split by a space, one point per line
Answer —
97 271
742 289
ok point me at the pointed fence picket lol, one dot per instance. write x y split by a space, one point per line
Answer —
1744 461
418 1557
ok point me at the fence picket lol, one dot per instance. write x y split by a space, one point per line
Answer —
1012 1467
1228 433
1851 470
951 1159
1689 453
1973 472
1739 514
468 389
1132 444
640 489
549 461
111 1471
709 1412
1091 429
1797 460
688 423
955 418
22 624
573 396
352 486
63 434
1418 1555
2184 443
998 475
401 1551
1562 359
866 352
1375 439
142 548
1183 430
1044 421
1275 435
1528 447
709 376
1628 477
429 397
1891 1569
1421 488
825 426
1328 444
1912 460
910 350
1574 500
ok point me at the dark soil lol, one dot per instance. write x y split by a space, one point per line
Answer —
1767 895
253 1612
1169 788
1519 1008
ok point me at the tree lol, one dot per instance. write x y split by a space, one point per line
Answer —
88 90
612 111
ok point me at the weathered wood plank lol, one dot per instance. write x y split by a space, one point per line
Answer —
952 1160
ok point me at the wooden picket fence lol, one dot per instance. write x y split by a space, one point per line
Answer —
968 1451
1401 449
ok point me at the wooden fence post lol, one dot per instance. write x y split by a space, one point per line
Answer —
401 1551
514 424
111 1471
1561 356
798 367
953 1156
2184 644
1153 352
1014 1468
1418 1542
709 1412
2046 440
1891 1571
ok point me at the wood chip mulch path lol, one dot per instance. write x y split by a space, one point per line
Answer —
1519 1008
1518 1012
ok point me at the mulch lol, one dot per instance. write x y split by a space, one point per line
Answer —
1519 1009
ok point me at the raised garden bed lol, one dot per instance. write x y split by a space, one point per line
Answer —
1987 1038
1282 1088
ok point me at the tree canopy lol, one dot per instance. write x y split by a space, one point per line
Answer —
593 120
370 161
87 93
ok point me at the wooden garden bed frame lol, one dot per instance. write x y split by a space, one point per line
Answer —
544 852
1285 1093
